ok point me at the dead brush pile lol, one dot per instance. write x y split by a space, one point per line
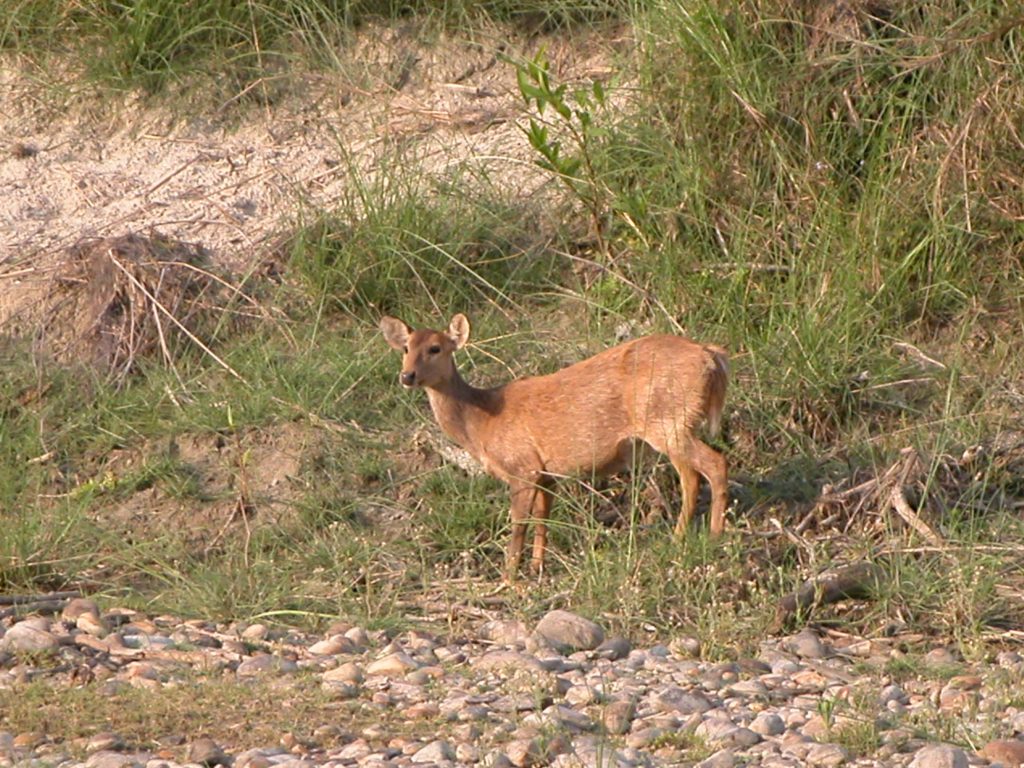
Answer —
918 494
111 302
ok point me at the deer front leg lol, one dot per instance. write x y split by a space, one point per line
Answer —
522 501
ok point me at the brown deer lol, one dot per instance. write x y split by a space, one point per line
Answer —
584 419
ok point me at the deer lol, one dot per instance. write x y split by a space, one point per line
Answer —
588 418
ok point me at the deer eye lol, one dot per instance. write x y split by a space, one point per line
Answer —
434 350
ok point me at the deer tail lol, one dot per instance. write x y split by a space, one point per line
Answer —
718 381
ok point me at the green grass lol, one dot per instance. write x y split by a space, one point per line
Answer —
811 202
248 49
222 708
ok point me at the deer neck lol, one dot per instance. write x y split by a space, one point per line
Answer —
460 408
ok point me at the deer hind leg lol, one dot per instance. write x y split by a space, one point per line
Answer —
689 481
541 508
691 459
715 469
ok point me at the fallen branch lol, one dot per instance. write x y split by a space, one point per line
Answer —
39 606
857 581
911 518
19 599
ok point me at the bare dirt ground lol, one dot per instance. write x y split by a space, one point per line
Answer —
88 170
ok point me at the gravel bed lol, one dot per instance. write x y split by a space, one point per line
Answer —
560 693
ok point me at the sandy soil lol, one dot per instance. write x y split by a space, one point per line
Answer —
84 172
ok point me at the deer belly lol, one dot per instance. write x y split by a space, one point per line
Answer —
591 457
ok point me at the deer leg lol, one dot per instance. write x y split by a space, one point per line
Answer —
522 501
689 481
715 469
541 508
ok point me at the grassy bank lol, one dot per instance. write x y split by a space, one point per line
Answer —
834 196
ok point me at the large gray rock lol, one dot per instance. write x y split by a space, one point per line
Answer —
29 635
939 756
504 632
266 665
675 699
807 645
206 751
393 665
434 752
567 632
827 755
511 660
77 607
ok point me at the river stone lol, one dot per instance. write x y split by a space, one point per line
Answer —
393 665
354 752
265 664
768 724
614 648
724 758
806 644
109 759
332 646
895 693
434 752
349 672
567 632
1009 752
939 756
504 632
723 733
255 632
79 606
29 635
359 636
675 699
205 751
827 755
508 660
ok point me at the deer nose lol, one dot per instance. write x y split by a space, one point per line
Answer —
407 378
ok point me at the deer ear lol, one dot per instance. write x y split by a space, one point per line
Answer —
458 330
396 333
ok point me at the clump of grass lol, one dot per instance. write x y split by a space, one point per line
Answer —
399 245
